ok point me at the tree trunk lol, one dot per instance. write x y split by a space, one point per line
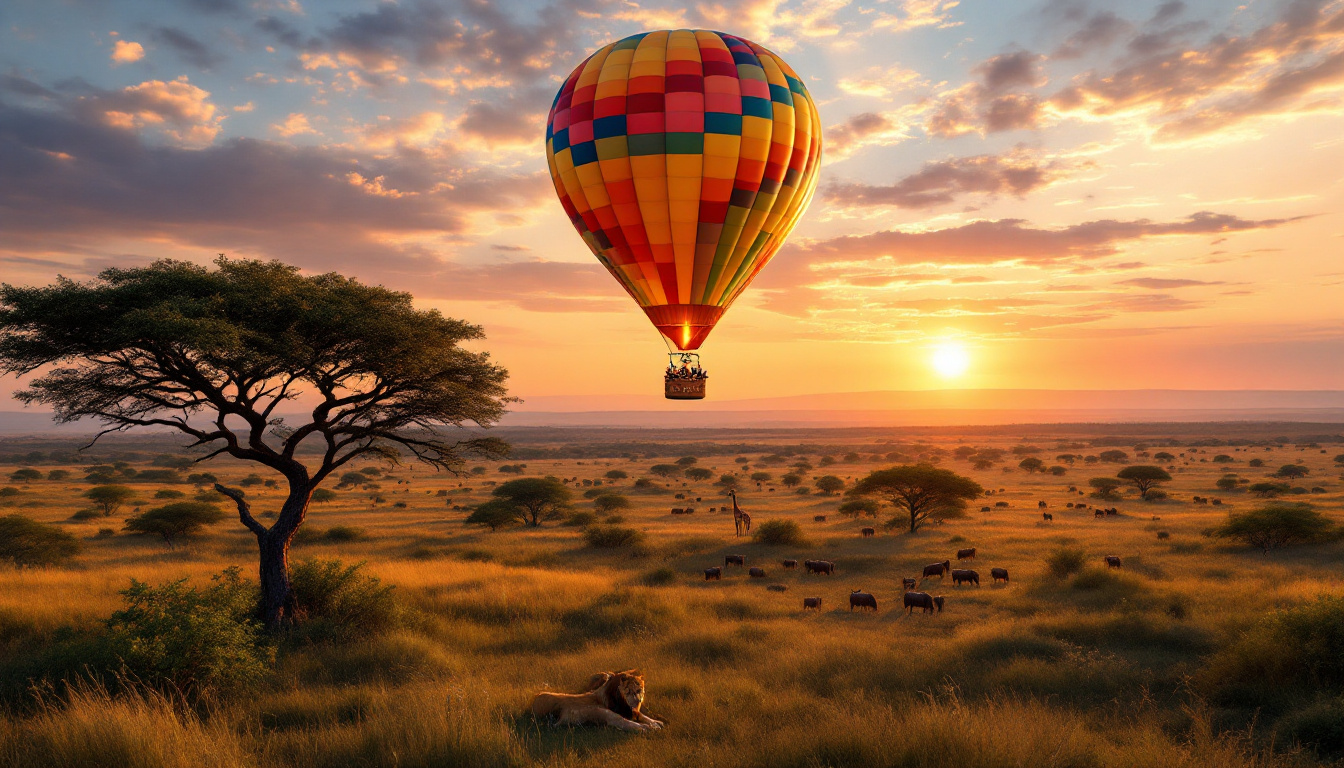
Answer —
277 602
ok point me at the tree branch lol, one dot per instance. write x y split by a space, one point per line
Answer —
244 510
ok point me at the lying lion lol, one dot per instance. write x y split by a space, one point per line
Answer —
612 698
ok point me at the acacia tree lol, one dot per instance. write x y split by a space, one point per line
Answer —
215 353
923 491
1144 477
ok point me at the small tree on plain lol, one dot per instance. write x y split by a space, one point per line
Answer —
1105 487
610 502
616 474
761 477
686 461
857 507
25 475
109 498
1269 490
699 474
1144 477
921 491
665 470
1292 471
791 479
1226 484
535 499
1113 456
729 482
25 541
176 521
829 484
1275 525
494 514
1031 464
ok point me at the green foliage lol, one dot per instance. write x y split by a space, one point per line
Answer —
251 480
610 502
323 495
1105 487
85 515
345 533
1301 647
201 642
665 470
1275 525
1058 471
534 499
25 541
857 507
109 498
1226 484
922 491
616 474
580 519
829 484
699 474
8 492
169 493
338 602
1318 726
1144 477
659 577
730 482
494 514
791 479
1292 471
25 475
1031 464
780 532
57 475
686 461
1268 490
1113 456
612 536
1065 561
175 521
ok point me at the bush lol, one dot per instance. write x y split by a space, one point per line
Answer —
612 536
1065 562
169 493
857 507
323 495
198 642
28 542
610 502
777 532
1300 647
643 482
659 577
343 533
1275 525
614 519
336 602
179 520
580 519
84 515
1318 726
109 497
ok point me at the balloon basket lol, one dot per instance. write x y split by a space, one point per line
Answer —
685 381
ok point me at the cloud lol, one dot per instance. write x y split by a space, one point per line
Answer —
1010 70
417 130
1018 172
868 128
917 13
994 104
538 286
296 124
191 50
512 121
176 109
1166 283
881 82
125 52
1098 32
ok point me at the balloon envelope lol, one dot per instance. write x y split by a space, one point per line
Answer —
684 158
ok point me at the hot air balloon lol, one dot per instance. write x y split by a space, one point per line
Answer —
684 158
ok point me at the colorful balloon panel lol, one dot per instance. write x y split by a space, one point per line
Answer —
684 158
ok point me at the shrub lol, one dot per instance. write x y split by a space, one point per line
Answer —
616 474
109 497
580 519
1277 524
179 520
1065 561
612 536
25 475
610 502
699 474
105 533
28 542
857 507
169 493
643 482
779 532
199 642
337 602
57 475
324 495
494 514
614 519
1300 647
84 515
343 533
659 577
1319 726
829 484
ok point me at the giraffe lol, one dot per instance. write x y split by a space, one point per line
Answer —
740 519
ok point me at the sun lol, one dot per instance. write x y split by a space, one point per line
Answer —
950 360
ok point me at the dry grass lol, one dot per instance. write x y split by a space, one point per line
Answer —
1088 670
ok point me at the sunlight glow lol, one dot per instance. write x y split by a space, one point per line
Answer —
950 360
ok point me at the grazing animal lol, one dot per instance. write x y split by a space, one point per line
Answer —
1041 505
1112 511
922 600
735 560
1069 505
819 567
908 583
1156 518
938 602
812 602
612 699
966 554
1200 500
1099 512
1217 502
714 574
862 600
960 574
1047 516
936 569
790 563
1000 503
867 532
677 510
756 573
1112 561
741 520
984 509
999 574
818 518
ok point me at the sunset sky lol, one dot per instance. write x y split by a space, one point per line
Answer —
1058 195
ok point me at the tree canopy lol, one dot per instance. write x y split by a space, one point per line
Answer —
109 498
922 491
1105 487
1144 477
829 484
215 353
1292 471
25 541
1277 524
534 499
699 473
175 521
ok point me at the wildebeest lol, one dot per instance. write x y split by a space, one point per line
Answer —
714 574
1156 518
1217 502
936 569
999 574
938 602
862 600
734 559
961 574
866 532
1047 516
1200 500
812 602
984 509
1000 503
1112 561
922 600
818 518
1099 512
819 567
790 563
966 554
1041 505
1112 511
908 583
756 573
1070 505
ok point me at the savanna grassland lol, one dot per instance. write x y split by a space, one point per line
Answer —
1179 658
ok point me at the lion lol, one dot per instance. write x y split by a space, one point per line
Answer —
612 698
